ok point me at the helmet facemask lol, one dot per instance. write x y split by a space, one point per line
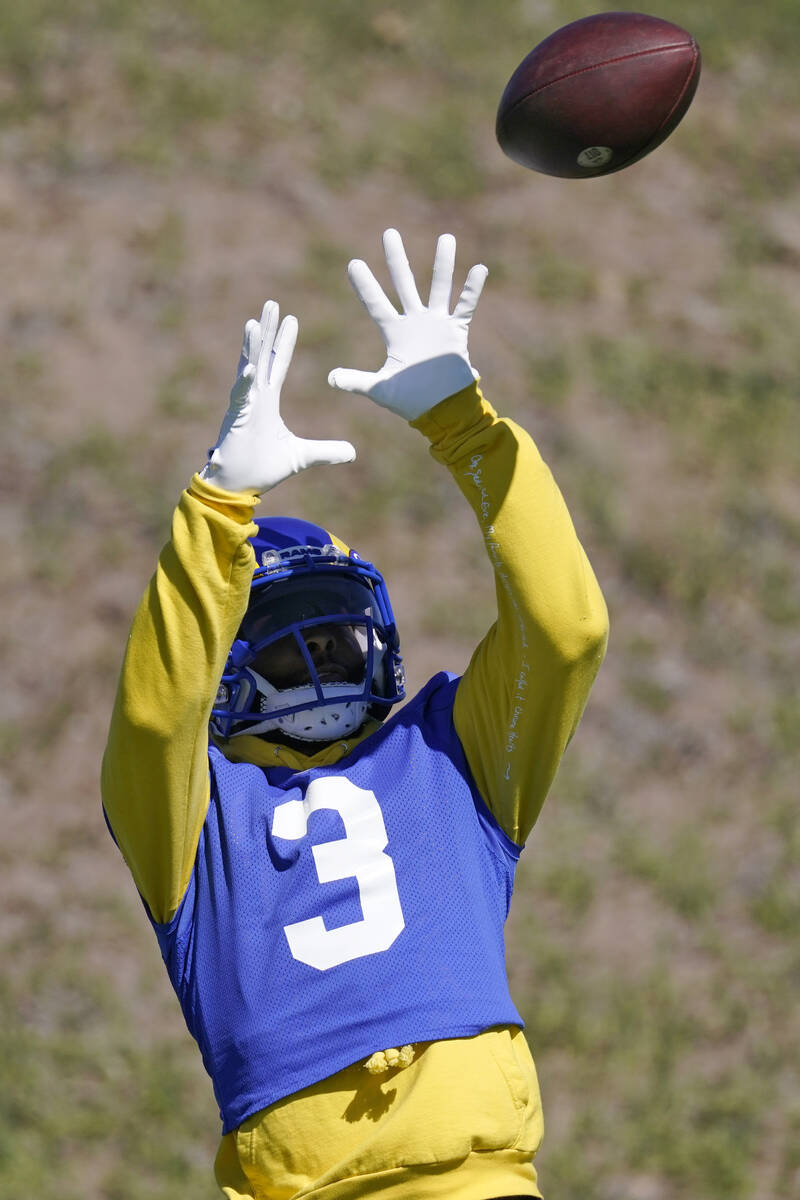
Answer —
303 596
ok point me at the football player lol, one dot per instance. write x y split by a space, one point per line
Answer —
328 875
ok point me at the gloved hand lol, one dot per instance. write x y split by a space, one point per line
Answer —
255 450
426 348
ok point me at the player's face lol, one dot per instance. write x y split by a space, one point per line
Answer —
335 653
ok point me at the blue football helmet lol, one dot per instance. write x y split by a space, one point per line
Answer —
308 583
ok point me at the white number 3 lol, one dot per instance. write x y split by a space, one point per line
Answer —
359 854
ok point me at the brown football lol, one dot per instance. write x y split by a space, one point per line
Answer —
597 95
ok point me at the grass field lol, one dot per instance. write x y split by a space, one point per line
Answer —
165 167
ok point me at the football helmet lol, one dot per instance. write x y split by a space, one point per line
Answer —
309 588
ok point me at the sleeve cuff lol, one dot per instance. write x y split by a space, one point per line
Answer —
449 422
238 506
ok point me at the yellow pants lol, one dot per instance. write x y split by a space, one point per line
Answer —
464 1119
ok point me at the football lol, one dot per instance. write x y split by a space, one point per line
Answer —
598 95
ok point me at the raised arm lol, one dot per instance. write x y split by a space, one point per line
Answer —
155 769
522 695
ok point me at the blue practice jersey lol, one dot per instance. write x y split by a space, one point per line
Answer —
339 910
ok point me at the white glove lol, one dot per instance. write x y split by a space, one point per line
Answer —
426 348
254 450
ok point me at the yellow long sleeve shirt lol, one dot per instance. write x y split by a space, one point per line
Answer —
464 1118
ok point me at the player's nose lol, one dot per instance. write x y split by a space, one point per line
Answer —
321 641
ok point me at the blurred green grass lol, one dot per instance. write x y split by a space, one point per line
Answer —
653 946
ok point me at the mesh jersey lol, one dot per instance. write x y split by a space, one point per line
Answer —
341 909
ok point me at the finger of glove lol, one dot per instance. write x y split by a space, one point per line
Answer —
442 279
242 384
268 324
246 355
282 352
400 271
352 381
252 341
468 300
313 453
269 342
370 293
